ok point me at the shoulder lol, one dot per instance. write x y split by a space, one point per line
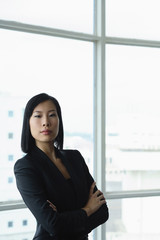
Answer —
74 157
72 153
23 163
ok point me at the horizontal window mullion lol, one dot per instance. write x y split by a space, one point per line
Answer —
17 26
132 42
12 205
132 194
19 204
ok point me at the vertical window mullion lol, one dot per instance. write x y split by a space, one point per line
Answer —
99 104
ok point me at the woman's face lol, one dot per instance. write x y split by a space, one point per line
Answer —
44 123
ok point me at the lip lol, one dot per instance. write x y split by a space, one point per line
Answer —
46 132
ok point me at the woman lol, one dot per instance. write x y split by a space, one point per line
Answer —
54 183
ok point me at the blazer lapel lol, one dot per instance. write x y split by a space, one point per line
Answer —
78 182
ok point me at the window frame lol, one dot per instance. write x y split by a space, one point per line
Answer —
100 40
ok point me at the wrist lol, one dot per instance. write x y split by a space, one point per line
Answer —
87 210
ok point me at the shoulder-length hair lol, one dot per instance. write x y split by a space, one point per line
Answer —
27 141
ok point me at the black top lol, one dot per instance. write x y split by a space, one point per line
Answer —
39 180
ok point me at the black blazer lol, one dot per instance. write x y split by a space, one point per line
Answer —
39 180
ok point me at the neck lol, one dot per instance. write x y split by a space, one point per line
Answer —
48 149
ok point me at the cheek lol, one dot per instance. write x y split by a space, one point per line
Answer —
58 125
32 126
31 129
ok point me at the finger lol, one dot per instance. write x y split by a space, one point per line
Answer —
101 202
102 199
53 207
92 188
98 193
51 204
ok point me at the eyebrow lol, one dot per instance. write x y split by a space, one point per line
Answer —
53 110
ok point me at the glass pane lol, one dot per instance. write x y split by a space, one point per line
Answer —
132 118
133 18
17 225
31 64
133 219
76 15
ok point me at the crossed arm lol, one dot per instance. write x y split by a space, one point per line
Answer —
80 221
95 201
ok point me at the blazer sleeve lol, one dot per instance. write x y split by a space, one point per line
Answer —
32 190
102 214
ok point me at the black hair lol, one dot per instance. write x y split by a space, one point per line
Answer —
27 141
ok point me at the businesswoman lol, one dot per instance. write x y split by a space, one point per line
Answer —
54 183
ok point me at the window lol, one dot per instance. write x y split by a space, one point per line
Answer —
134 115
10 224
24 222
59 66
137 211
10 113
106 62
132 111
10 179
60 14
129 19
10 157
10 135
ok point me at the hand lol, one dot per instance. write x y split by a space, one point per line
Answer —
52 206
95 200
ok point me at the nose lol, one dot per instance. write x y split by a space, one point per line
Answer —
45 124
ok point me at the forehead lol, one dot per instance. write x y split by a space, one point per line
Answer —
47 105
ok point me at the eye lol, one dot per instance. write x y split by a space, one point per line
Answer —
37 116
53 115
